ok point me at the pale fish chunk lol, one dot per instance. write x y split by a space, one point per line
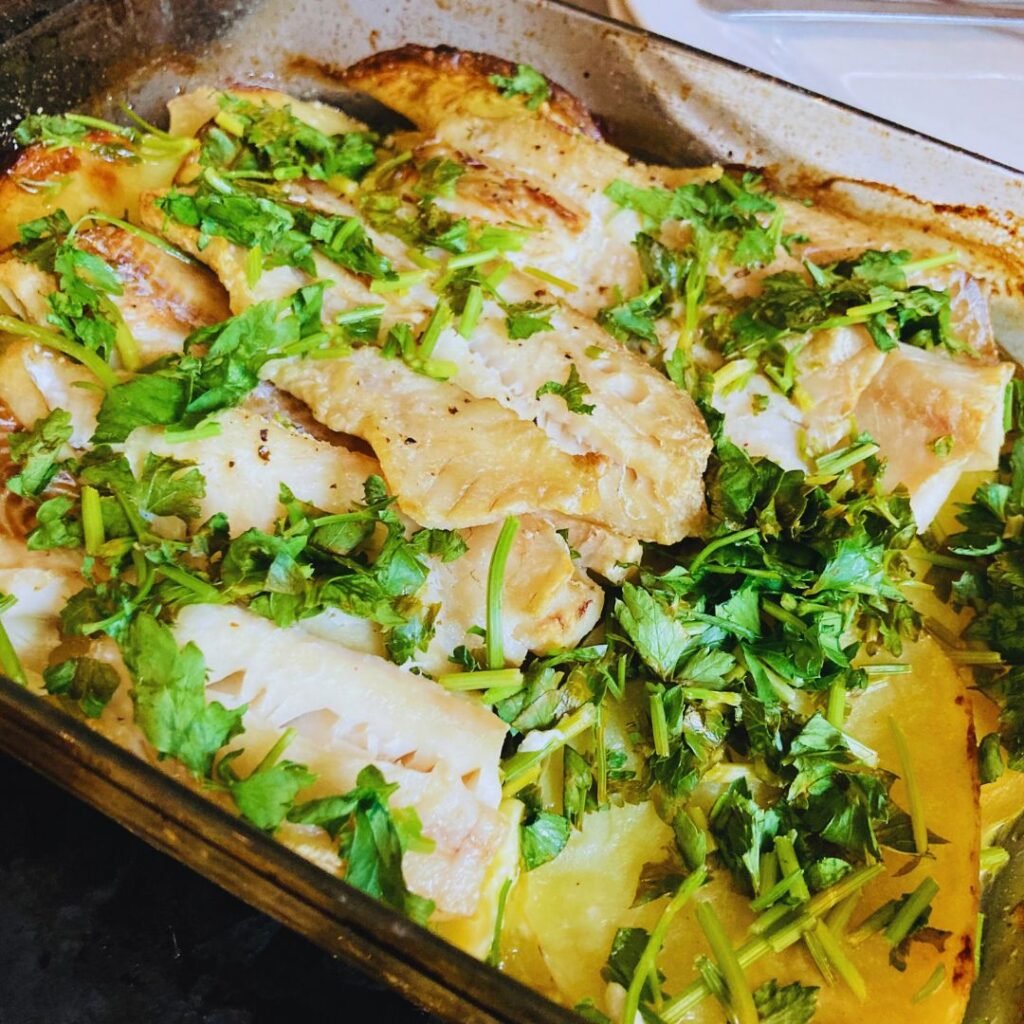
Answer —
449 96
548 603
246 463
41 583
605 552
344 289
651 440
918 399
164 298
832 370
35 380
193 110
452 460
390 713
467 832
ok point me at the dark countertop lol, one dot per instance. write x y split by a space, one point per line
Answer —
97 928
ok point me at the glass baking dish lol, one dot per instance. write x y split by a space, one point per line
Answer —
657 98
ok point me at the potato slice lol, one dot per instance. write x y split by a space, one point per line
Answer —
598 871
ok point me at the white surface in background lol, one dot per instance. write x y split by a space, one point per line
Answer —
964 85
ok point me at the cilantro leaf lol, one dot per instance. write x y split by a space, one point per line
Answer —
786 1004
37 451
278 141
267 793
169 694
85 681
572 391
525 319
169 487
633 319
184 389
58 525
527 82
372 839
659 637
742 828
542 838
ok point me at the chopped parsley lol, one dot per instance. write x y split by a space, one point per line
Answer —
36 453
260 218
263 137
572 392
527 82
372 836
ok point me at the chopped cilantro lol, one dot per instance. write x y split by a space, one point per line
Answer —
527 82
85 681
37 453
169 694
275 140
372 839
572 392
525 319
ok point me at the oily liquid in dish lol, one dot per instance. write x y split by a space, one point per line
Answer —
514 347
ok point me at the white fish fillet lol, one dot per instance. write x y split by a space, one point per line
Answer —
41 583
833 369
466 831
356 709
163 301
389 712
252 456
35 380
548 603
919 397
452 461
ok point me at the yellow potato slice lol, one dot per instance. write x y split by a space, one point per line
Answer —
574 904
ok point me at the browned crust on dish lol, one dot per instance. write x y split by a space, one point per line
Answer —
409 70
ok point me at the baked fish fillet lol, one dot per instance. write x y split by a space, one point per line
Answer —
164 297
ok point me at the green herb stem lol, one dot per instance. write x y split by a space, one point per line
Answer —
51 339
790 864
918 901
700 693
206 592
273 755
836 710
647 964
92 520
471 311
495 583
472 259
659 725
463 682
201 432
543 275
732 971
522 768
399 283
994 857
494 953
931 986
917 823
718 543
845 967
930 262
10 663
838 462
